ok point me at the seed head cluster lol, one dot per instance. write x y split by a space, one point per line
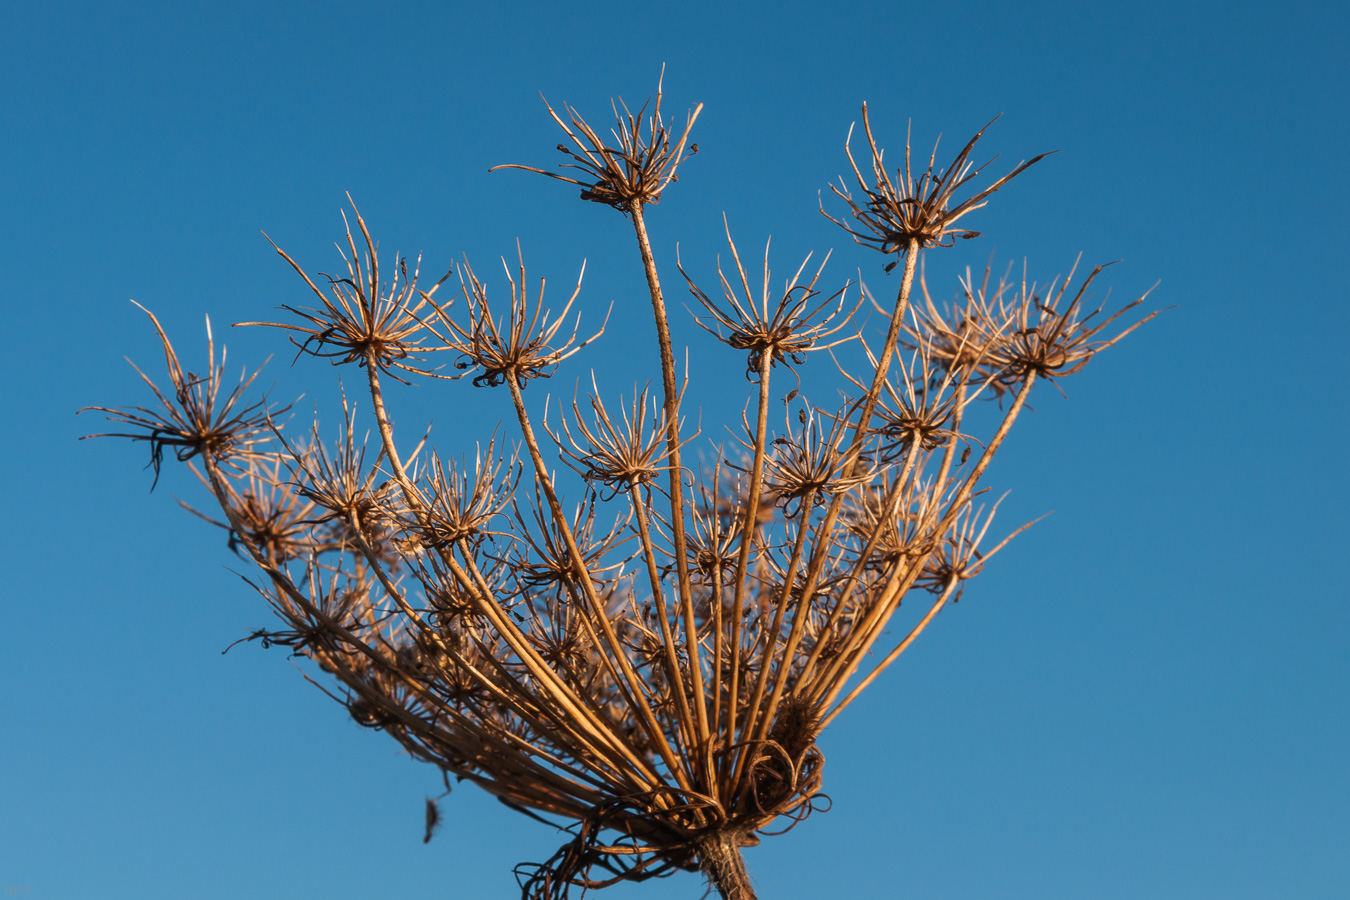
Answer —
645 654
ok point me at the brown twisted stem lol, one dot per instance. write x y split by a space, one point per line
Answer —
721 860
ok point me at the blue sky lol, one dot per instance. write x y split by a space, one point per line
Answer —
1146 695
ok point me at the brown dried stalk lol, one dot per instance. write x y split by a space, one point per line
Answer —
654 664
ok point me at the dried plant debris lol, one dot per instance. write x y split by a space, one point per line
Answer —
651 663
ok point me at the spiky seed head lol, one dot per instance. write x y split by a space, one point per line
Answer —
198 420
363 318
782 332
633 170
914 210
518 345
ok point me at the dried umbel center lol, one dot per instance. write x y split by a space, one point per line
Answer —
461 506
273 516
198 420
1053 338
810 462
620 453
645 653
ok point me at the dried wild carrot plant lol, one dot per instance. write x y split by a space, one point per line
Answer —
652 666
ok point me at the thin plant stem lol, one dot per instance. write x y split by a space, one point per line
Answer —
662 612
757 717
501 621
749 528
672 407
895 653
625 674
861 430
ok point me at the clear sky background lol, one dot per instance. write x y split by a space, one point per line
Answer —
1145 696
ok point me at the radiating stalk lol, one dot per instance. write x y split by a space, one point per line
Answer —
871 630
895 654
667 639
748 529
892 499
672 407
757 717
626 677
861 433
495 615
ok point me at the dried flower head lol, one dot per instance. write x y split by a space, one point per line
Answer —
363 319
270 513
957 558
914 211
198 420
457 506
812 462
618 454
920 408
659 682
518 345
341 483
785 334
713 539
541 559
562 639
963 338
636 168
1051 339
891 520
